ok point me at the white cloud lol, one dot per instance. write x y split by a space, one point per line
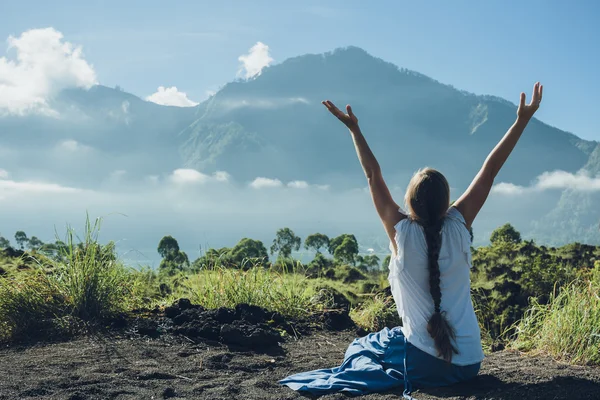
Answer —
125 107
184 175
564 180
558 180
262 103
253 63
3 174
171 97
298 184
12 187
508 188
44 64
222 176
73 146
188 175
260 183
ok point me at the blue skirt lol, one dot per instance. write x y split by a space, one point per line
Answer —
381 361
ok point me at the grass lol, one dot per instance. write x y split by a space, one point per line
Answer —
286 292
568 327
85 284
376 313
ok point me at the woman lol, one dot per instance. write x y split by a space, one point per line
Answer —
439 342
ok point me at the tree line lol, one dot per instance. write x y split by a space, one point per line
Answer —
250 252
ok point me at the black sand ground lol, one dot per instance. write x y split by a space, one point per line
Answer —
120 367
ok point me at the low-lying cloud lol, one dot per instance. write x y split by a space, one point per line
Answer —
171 96
555 180
258 57
38 65
260 183
184 176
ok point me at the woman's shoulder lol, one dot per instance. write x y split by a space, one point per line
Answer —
456 216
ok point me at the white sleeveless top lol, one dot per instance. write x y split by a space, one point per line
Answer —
409 281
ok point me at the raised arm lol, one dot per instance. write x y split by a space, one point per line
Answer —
475 196
385 205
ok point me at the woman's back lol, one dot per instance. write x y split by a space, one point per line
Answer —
409 280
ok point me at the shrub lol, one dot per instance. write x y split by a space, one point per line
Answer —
376 313
286 292
89 285
567 328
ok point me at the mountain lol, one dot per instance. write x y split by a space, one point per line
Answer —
278 126
111 130
274 126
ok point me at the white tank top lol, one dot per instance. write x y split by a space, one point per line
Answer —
409 281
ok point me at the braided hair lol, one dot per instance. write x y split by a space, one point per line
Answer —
428 198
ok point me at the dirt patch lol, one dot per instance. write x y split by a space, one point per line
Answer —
122 367
246 326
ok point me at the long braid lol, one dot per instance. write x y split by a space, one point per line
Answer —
428 197
438 326
433 238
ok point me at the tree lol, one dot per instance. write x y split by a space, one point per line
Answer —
174 260
344 248
168 248
285 241
347 250
367 262
316 241
213 258
386 262
4 243
34 243
505 234
21 239
249 250
320 263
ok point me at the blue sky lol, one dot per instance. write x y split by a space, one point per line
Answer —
486 47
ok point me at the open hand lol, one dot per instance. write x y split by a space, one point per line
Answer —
348 119
527 110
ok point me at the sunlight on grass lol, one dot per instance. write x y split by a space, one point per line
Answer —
286 292
86 282
568 327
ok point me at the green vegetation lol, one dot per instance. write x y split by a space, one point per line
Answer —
83 284
526 296
510 271
568 327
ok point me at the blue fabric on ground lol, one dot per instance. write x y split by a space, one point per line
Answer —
375 363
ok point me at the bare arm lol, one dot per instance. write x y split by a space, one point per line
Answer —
475 196
385 205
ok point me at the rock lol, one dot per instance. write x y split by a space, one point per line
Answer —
221 314
252 314
148 327
337 320
168 393
242 333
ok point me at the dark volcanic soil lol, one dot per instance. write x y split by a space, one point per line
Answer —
121 367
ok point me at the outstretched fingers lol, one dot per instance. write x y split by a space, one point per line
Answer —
522 101
536 96
333 109
349 110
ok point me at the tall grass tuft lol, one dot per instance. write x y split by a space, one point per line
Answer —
376 313
96 284
568 327
86 283
284 291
